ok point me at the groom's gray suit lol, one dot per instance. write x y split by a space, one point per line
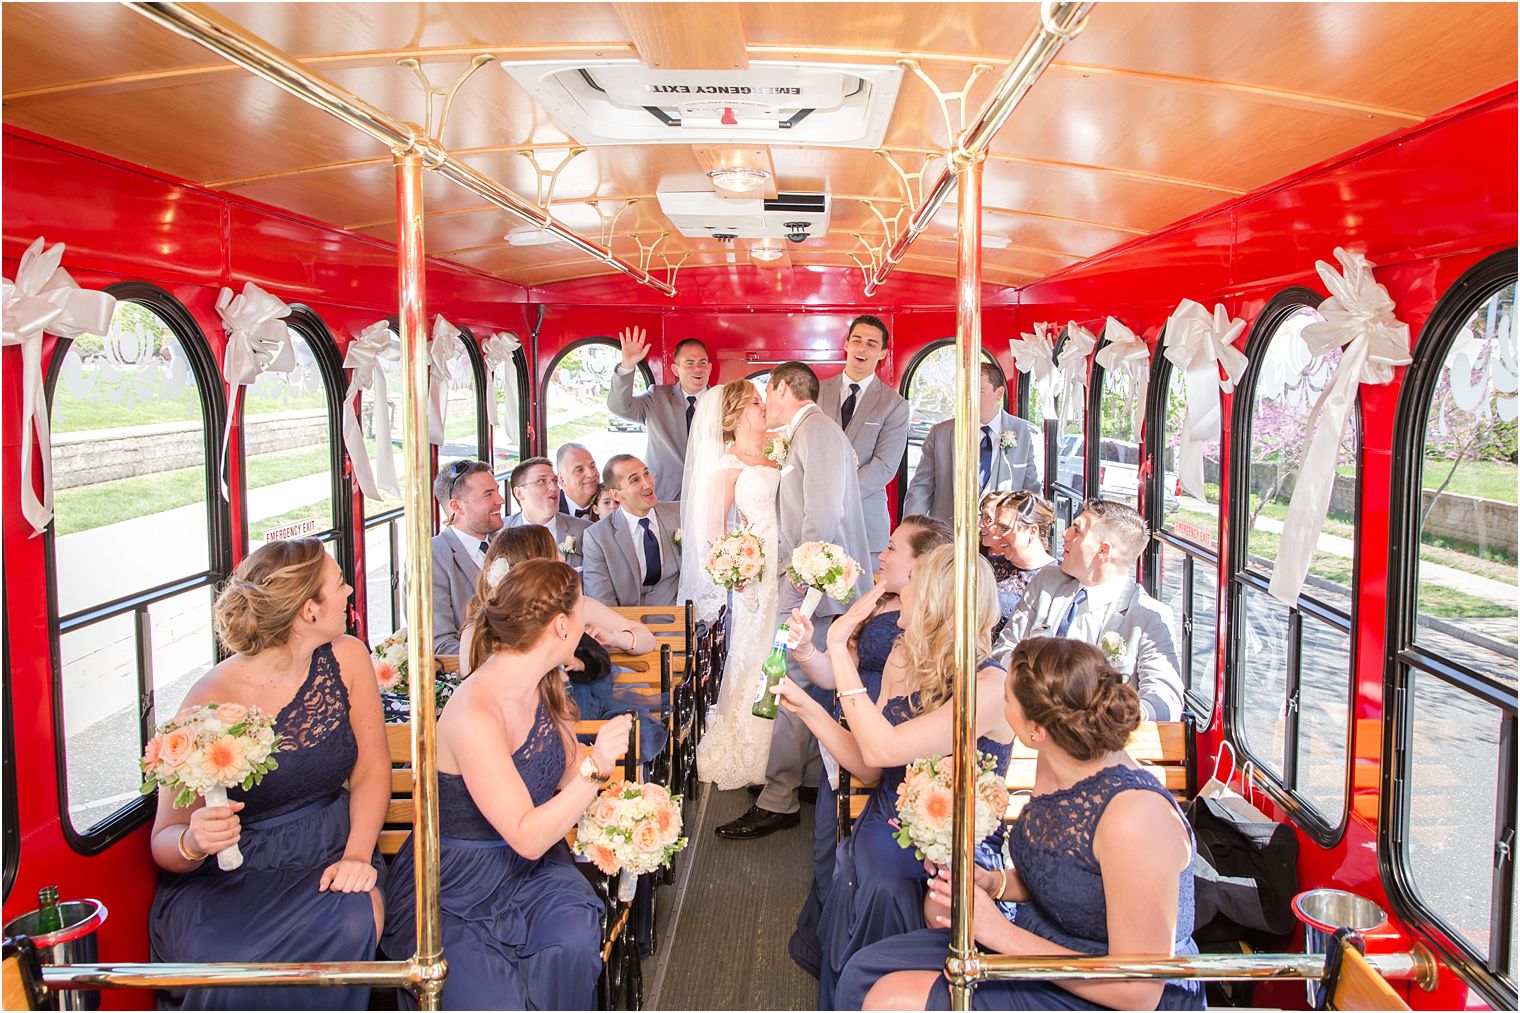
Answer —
819 501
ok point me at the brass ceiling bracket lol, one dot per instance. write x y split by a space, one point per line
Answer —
889 226
646 253
912 182
956 125
544 189
865 268
431 91
609 222
873 252
671 270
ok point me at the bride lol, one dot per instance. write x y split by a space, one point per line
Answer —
729 484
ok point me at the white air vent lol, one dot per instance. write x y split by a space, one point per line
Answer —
703 214
624 102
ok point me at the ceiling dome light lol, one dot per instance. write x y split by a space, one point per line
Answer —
738 179
767 251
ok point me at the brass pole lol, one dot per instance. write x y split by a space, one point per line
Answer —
960 964
411 285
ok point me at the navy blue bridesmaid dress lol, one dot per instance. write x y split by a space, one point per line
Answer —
1051 844
517 934
879 885
878 634
294 825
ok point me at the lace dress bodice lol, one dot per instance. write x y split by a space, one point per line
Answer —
755 496
1051 844
540 762
317 750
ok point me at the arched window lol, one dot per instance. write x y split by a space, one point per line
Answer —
575 402
464 422
1291 668
929 386
1450 796
1064 470
1119 416
138 544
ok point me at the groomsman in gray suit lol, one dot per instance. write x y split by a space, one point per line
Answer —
467 493
1093 595
875 419
665 410
578 479
1007 461
536 489
819 500
632 557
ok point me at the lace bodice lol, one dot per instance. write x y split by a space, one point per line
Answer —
755 495
1051 844
318 750
540 762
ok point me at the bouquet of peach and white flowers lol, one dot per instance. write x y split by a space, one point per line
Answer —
824 569
735 560
630 829
206 750
926 805
389 659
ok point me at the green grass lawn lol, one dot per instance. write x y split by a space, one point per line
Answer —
72 415
567 432
1495 480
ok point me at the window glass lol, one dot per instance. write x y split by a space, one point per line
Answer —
102 736
382 617
129 462
394 396
1183 513
183 647
1204 677
1071 448
1264 678
506 417
930 391
575 404
288 446
1120 412
461 420
1467 573
1324 669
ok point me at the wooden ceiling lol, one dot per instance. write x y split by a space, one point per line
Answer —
1153 113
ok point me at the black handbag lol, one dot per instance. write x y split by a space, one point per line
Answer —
596 663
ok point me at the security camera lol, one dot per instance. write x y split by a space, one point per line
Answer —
796 231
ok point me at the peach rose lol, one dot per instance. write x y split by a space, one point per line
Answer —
646 836
603 858
654 794
224 758
230 713
175 747
151 752
603 811
937 805
387 675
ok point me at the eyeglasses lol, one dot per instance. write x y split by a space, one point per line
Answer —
542 483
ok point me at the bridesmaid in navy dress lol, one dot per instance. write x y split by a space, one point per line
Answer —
878 888
914 536
521 924
1102 858
307 888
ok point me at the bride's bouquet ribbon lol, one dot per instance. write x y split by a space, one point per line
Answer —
43 299
824 569
366 358
1201 344
258 341
1072 365
1034 353
1123 352
443 353
499 351
1359 319
205 750
629 830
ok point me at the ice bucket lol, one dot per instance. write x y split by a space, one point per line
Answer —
75 943
1324 911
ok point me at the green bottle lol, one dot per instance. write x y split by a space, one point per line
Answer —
773 671
49 918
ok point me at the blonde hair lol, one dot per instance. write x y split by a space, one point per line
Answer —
737 395
262 598
928 641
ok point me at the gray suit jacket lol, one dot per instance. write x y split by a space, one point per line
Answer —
662 411
879 433
454 574
612 575
570 527
820 502
1155 665
932 490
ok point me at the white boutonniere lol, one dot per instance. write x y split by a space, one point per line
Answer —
777 450
1112 646
675 537
1006 440
567 547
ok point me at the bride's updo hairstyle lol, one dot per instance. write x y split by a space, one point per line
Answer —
1069 688
261 600
737 394
928 640
516 615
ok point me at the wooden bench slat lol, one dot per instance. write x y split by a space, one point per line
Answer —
1021 775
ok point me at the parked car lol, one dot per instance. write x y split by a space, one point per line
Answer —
1118 468
918 427
618 424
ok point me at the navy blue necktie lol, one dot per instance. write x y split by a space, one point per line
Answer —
986 465
651 555
691 409
847 412
484 545
1071 612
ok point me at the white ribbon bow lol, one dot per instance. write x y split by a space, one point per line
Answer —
447 346
366 356
1035 354
498 351
1123 352
1359 318
44 299
1072 363
257 342
1200 344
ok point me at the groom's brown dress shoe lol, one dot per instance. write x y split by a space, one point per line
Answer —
757 823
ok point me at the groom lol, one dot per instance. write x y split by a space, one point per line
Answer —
819 502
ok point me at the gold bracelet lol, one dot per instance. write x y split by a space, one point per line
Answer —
184 852
805 657
1002 884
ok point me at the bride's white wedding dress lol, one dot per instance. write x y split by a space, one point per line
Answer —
736 745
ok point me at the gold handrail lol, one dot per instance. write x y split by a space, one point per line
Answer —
1418 965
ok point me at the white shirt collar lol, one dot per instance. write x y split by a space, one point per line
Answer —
681 391
633 523
791 427
470 544
996 425
1101 597
845 381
